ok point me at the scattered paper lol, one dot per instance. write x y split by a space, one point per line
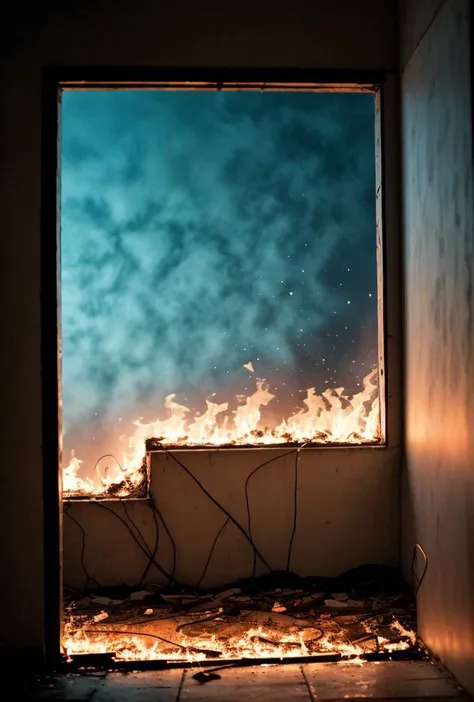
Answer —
99 617
228 593
249 366
340 596
107 601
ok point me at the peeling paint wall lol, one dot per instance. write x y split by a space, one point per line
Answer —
343 34
347 514
438 481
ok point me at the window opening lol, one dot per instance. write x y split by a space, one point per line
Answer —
218 276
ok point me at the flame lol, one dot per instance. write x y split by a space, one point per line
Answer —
256 642
327 418
71 481
403 631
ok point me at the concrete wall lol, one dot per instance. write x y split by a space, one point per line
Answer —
438 480
340 34
347 515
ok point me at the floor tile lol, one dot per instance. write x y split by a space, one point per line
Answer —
387 680
146 678
265 684
68 688
135 694
147 686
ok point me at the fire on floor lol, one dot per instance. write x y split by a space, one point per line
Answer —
364 614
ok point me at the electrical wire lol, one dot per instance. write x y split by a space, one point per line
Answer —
155 551
152 555
108 455
364 639
247 501
83 549
211 552
207 652
137 620
218 504
295 511
249 521
140 546
111 488
211 618
295 505
124 505
156 510
262 465
425 567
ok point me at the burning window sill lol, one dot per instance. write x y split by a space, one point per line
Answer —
124 485
135 486
158 445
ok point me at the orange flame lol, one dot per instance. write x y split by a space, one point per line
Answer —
331 417
256 642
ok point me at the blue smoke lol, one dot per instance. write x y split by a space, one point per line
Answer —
200 231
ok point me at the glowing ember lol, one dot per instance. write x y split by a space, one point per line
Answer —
331 417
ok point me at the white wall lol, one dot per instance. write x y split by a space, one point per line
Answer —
438 480
338 34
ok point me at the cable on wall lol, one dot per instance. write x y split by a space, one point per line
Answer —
419 580
139 533
218 504
202 576
89 579
147 553
155 509
140 541
297 452
152 555
295 505
247 500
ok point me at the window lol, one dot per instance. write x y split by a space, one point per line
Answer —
219 275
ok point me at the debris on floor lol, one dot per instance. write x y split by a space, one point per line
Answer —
366 611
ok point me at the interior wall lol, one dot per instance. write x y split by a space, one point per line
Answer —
342 34
438 480
347 514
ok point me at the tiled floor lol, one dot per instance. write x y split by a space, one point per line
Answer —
416 680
